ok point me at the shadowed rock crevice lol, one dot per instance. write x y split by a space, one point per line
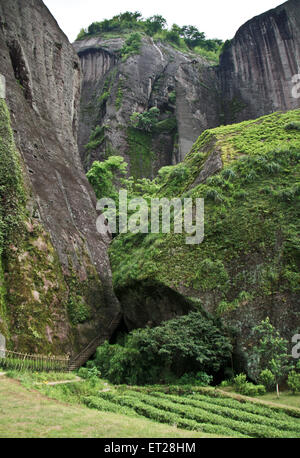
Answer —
148 303
20 69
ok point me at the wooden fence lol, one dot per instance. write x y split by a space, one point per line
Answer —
20 361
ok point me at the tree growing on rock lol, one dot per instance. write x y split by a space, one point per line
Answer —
146 120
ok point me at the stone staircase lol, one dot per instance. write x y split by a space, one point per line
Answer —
82 357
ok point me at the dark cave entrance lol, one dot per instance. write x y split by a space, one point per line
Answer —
119 333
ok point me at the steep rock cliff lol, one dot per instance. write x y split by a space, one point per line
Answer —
254 78
257 68
56 281
183 86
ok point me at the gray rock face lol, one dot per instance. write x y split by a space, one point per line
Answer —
212 165
198 103
254 78
256 70
149 78
43 78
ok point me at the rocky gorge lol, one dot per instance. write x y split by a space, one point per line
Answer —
57 290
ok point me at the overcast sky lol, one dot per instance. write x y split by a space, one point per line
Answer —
217 18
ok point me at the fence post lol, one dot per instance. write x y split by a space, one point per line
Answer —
2 87
19 361
2 346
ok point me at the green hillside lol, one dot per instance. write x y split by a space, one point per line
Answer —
247 267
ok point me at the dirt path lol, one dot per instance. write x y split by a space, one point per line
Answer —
60 382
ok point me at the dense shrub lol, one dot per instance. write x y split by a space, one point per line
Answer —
89 372
267 379
186 37
195 379
236 423
96 402
191 343
293 382
173 36
132 46
119 23
234 413
167 412
146 120
179 174
225 383
247 388
292 126
105 176
277 412
240 380
155 24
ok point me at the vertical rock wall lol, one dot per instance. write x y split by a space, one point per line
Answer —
257 68
182 86
254 78
43 81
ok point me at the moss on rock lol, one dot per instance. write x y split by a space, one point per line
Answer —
45 307
140 152
248 264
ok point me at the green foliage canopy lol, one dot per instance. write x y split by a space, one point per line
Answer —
105 177
155 26
146 120
271 352
191 343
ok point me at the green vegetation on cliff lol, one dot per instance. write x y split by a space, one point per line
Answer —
105 177
25 255
12 188
185 38
35 296
12 201
131 46
140 152
250 254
